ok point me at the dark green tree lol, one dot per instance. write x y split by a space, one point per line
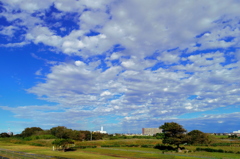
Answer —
4 135
60 132
159 135
77 135
173 133
98 136
87 134
197 137
233 136
30 131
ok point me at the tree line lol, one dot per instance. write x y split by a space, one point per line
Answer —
173 134
59 132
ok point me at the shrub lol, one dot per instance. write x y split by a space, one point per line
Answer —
210 150
45 137
83 147
147 146
163 147
132 145
221 144
27 139
110 145
36 144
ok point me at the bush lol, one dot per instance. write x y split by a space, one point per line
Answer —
210 150
163 147
110 145
147 146
83 147
27 138
132 137
144 137
132 145
36 137
221 144
36 144
45 137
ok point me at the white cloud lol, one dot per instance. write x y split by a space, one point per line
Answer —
114 56
79 63
38 72
91 19
144 85
105 93
14 44
169 58
28 5
10 30
128 64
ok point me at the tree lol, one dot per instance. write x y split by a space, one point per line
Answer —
233 136
159 135
30 131
4 135
60 132
173 133
87 134
97 136
197 137
77 135
62 143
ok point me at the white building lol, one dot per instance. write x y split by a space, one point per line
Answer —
151 131
101 131
236 131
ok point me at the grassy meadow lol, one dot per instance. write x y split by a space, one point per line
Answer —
123 148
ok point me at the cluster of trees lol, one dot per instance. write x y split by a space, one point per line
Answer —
60 132
233 136
4 134
175 134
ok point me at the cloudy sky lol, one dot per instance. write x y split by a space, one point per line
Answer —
120 64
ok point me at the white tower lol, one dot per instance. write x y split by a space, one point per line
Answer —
101 131
9 132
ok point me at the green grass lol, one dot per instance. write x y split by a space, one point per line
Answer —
44 146
131 152
48 151
120 142
221 136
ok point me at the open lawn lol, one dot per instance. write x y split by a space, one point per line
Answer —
120 142
120 151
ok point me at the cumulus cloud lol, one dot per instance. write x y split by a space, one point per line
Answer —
169 51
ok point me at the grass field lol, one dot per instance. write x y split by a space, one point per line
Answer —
118 152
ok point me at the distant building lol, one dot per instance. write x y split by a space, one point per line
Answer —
236 132
101 131
9 132
151 131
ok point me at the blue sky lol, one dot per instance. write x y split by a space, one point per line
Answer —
123 65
